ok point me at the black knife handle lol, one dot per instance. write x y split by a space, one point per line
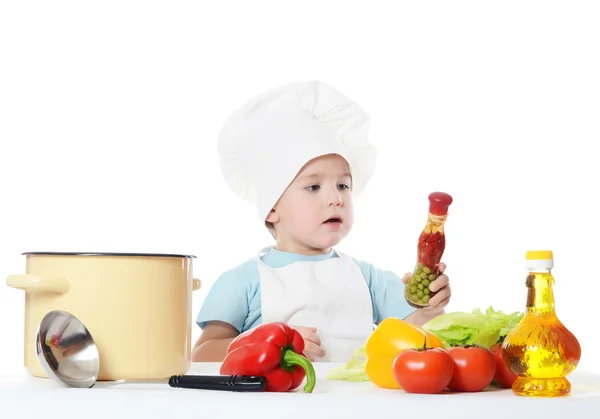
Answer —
220 382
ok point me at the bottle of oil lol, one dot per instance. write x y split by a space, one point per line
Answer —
540 350
430 248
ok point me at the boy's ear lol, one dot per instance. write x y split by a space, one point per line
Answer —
273 217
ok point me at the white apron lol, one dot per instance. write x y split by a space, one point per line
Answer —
331 295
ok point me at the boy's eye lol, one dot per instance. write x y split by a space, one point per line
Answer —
313 188
343 186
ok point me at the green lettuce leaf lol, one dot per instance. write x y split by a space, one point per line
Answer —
475 328
354 370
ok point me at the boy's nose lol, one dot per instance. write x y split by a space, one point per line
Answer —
335 198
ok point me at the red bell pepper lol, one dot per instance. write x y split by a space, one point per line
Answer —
273 350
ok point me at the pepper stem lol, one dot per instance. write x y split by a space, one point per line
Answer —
292 358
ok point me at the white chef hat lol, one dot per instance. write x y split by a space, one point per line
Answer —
265 143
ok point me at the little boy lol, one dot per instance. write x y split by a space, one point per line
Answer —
300 153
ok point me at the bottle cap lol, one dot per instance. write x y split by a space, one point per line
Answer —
439 203
536 259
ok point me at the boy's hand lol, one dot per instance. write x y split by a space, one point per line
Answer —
441 285
312 343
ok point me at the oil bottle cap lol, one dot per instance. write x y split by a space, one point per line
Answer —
539 259
439 203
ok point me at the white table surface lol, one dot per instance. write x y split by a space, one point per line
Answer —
23 396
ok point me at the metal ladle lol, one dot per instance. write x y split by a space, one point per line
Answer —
68 354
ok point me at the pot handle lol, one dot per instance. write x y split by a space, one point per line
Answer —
35 283
197 284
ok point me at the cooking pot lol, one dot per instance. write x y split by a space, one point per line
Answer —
136 306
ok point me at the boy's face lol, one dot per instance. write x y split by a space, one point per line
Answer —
316 211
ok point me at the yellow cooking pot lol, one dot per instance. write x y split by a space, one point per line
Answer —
136 306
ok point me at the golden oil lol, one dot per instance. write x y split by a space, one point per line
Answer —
540 350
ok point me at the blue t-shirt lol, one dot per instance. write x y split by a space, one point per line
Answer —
234 298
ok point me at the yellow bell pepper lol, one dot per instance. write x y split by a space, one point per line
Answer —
383 345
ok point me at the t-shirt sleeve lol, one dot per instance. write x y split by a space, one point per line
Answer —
387 293
227 299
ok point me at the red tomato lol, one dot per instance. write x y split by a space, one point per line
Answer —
504 376
474 368
425 371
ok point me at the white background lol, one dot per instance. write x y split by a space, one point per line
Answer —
109 115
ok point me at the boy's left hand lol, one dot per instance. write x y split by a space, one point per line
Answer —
441 285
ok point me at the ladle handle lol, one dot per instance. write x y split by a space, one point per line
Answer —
246 383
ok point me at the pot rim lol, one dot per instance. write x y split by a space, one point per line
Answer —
168 255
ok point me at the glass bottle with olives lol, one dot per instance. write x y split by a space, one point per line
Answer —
430 248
